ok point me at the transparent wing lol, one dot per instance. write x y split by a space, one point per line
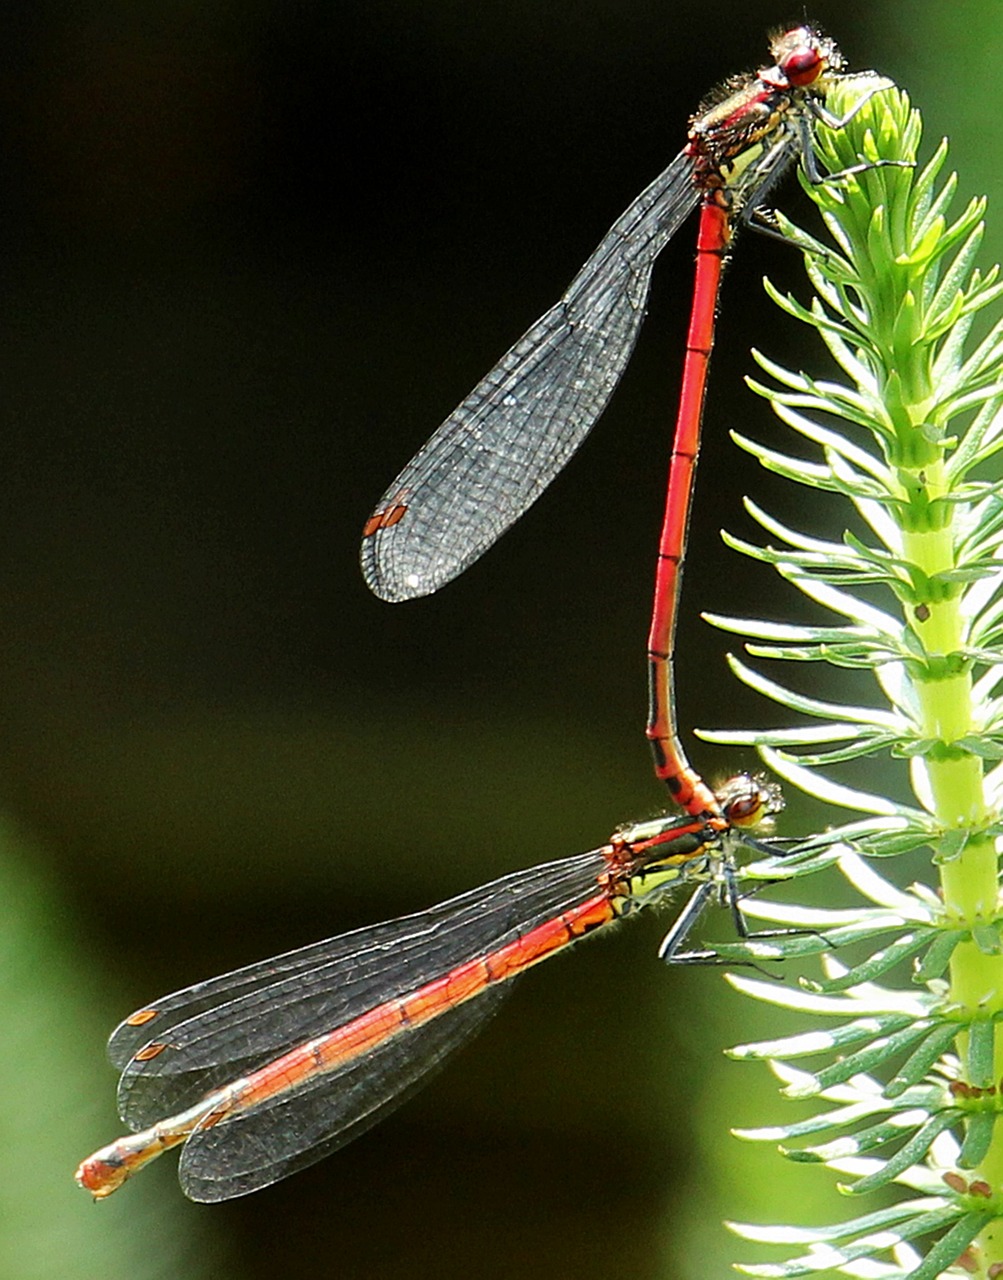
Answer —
255 1148
496 453
209 1035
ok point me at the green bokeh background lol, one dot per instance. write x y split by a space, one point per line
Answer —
252 255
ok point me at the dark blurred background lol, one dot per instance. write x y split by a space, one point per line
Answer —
251 256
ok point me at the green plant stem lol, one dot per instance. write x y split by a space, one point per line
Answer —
969 881
895 304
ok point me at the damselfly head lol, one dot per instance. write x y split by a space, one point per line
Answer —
748 800
804 55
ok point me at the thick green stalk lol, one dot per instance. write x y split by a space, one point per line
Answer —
899 323
908 438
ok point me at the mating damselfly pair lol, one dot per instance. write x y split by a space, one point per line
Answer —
265 1070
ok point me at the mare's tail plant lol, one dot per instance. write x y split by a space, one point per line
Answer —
903 1043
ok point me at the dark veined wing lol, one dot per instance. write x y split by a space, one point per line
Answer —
496 453
254 1148
210 1034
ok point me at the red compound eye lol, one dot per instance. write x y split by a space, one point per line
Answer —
803 66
